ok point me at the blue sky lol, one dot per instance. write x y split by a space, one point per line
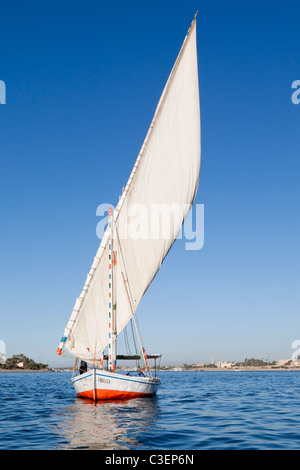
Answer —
83 80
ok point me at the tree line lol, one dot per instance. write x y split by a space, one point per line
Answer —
20 361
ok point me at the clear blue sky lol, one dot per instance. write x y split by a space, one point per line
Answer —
83 80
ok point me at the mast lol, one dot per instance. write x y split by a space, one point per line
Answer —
112 296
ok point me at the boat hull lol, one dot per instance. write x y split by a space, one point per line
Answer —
98 384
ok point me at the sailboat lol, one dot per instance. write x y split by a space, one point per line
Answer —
166 172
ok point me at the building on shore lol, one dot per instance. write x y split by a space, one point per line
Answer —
283 362
224 364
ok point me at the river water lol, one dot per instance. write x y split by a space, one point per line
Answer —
192 411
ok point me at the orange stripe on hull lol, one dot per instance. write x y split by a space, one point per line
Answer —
112 395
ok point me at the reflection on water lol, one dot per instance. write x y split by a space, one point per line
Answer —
107 425
211 410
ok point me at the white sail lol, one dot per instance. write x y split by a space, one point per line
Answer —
166 173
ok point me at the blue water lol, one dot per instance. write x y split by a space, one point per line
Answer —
192 410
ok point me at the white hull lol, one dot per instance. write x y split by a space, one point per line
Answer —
98 384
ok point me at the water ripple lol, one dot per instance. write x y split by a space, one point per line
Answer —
210 410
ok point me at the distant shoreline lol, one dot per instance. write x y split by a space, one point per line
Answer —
233 369
25 370
200 369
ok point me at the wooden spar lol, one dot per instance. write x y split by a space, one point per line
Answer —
143 353
104 240
111 299
114 306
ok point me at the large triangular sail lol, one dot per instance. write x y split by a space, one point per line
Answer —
166 173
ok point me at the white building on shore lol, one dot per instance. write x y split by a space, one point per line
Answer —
224 364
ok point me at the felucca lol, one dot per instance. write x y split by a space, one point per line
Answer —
166 172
